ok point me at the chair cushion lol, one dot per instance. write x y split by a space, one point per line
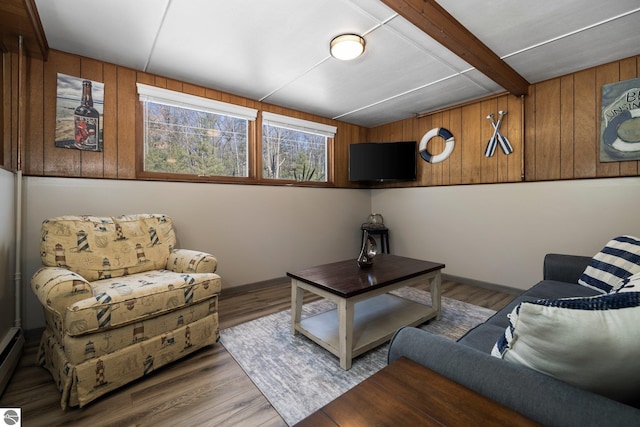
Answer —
590 342
619 259
123 300
104 247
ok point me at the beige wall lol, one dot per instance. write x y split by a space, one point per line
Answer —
257 232
500 233
495 233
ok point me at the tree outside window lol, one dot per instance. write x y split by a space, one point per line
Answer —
201 138
187 141
290 154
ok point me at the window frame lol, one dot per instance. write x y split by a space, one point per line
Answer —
186 101
255 119
302 125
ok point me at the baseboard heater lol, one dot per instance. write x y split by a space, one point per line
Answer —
10 352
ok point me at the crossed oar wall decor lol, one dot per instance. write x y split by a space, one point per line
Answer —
497 137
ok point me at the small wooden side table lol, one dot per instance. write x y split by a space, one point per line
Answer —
383 232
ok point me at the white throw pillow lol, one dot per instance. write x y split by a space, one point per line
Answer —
619 259
592 343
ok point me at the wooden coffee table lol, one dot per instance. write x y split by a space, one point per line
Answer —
406 393
366 314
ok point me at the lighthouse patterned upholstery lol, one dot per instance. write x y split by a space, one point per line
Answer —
120 300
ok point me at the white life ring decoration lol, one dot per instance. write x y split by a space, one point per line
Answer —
448 148
611 137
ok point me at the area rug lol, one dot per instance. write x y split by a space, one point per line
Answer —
298 376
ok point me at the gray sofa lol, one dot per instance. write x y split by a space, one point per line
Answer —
542 398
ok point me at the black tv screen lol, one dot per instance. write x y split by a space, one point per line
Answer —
382 161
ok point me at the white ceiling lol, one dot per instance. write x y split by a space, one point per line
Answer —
277 51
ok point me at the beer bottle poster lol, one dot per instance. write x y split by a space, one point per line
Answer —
620 126
79 113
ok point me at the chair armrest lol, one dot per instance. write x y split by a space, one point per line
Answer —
540 397
564 268
188 261
58 288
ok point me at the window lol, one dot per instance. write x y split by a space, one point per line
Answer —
197 138
294 149
186 134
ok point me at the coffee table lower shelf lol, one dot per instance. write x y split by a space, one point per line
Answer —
375 320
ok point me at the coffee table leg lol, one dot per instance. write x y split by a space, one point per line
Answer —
297 295
345 332
435 285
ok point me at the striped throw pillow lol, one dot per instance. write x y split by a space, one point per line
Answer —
630 284
618 260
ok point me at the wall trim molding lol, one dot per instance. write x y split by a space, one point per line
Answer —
484 285
249 287
255 286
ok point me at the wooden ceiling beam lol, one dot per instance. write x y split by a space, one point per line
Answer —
438 24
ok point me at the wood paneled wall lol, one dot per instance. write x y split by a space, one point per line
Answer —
563 118
555 133
118 160
472 131
9 111
555 130
3 100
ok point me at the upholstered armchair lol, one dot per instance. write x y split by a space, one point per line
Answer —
120 301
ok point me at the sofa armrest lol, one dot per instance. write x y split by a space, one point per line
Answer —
58 288
564 268
188 261
542 398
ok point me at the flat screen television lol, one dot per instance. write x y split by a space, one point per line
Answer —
383 161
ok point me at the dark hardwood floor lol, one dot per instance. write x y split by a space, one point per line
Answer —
207 388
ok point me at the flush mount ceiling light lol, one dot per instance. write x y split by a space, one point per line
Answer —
347 46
